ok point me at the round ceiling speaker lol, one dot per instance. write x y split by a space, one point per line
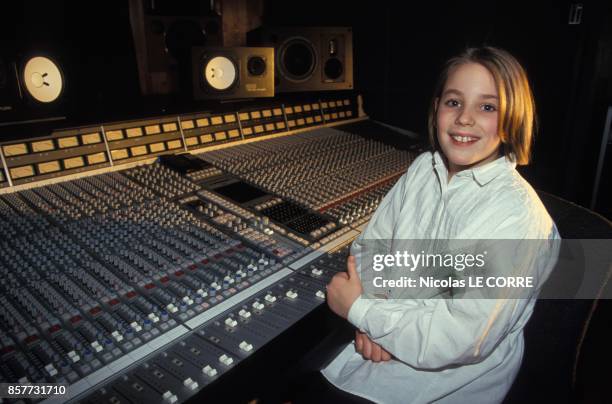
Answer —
220 73
43 79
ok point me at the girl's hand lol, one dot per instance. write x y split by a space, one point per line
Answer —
344 289
370 350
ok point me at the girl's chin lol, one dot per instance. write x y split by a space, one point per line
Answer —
455 168
462 162
461 159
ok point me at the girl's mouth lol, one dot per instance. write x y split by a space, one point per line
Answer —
463 140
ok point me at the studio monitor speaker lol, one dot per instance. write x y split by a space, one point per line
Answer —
164 33
310 58
32 87
231 73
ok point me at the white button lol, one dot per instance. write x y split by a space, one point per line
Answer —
245 346
231 322
74 357
244 313
317 272
291 294
270 298
172 308
226 360
96 346
209 371
202 293
118 337
136 326
258 305
169 397
51 369
190 384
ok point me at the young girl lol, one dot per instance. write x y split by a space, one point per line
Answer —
452 350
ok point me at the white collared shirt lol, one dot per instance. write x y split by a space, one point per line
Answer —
445 350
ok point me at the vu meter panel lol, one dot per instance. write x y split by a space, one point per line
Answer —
150 283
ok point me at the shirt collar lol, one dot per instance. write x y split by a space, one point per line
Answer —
482 174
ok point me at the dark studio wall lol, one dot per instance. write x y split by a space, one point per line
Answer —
401 46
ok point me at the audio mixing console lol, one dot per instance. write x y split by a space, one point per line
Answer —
148 283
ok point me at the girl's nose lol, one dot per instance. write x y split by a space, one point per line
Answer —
465 118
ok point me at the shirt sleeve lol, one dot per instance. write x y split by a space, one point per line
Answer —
443 332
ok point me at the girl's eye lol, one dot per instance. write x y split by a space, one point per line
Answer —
489 108
452 103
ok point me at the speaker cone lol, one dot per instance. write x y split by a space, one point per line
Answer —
333 69
220 73
297 59
43 79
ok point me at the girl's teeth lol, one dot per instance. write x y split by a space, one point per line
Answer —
463 139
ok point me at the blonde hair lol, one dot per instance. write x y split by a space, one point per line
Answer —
517 118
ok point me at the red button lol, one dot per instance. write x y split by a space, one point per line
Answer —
31 338
6 349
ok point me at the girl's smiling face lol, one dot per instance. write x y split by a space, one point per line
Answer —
467 118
